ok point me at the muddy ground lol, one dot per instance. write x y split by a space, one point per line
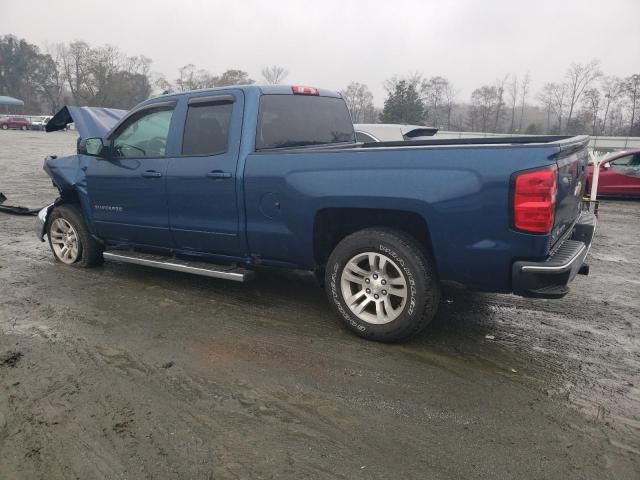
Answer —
128 372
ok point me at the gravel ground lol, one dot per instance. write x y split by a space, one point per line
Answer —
128 372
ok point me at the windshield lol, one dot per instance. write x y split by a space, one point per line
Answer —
301 120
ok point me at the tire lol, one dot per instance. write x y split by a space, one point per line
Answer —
5 127
400 266
23 128
66 228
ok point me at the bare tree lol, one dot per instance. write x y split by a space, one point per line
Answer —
616 122
524 90
75 62
546 97
359 100
579 78
449 96
413 79
499 102
559 103
472 116
611 90
437 94
161 84
274 74
232 77
512 92
592 100
485 103
186 78
631 88
50 78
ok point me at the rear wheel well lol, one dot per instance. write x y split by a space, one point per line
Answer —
333 224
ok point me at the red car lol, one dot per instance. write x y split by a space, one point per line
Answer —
619 175
16 123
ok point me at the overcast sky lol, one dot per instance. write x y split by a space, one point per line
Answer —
333 42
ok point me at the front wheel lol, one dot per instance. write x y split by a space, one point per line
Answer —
24 128
5 127
382 284
69 238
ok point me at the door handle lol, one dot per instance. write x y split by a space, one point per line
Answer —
151 174
218 174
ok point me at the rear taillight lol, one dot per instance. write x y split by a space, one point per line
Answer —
534 200
300 90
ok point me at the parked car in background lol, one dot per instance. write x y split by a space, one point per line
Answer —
387 132
15 123
619 175
38 123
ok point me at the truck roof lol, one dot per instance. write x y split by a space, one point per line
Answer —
262 89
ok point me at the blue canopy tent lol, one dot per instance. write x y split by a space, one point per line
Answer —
6 102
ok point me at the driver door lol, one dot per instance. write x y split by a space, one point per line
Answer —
127 190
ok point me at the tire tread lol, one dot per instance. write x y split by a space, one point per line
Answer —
91 254
424 264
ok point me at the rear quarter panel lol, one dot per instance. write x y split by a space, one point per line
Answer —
461 192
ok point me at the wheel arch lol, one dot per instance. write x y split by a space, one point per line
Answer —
331 225
71 196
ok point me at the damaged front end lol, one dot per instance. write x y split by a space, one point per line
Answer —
68 176
69 173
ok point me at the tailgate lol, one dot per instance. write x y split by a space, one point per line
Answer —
572 171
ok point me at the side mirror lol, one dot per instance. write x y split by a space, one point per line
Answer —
93 147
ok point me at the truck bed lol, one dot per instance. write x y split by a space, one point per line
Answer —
461 187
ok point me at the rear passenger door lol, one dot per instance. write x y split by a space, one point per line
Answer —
201 179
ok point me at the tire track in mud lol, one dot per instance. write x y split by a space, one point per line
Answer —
115 367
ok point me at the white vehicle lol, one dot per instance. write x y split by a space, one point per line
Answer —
38 123
387 132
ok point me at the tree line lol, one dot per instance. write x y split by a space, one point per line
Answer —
78 73
583 101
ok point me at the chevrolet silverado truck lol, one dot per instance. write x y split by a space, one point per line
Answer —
217 182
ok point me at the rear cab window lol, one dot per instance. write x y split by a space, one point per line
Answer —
206 130
302 120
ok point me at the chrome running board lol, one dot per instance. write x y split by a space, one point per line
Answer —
229 272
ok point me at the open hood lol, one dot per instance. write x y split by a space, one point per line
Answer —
89 121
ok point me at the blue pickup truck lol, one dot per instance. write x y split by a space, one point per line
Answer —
216 182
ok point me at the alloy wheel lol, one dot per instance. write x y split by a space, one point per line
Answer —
374 287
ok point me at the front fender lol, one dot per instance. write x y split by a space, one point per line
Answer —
70 178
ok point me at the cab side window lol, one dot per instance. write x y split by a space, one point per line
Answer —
206 131
144 134
627 165
621 162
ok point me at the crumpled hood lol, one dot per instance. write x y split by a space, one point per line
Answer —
89 121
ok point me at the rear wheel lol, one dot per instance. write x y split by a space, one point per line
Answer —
382 284
5 127
69 238
24 127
